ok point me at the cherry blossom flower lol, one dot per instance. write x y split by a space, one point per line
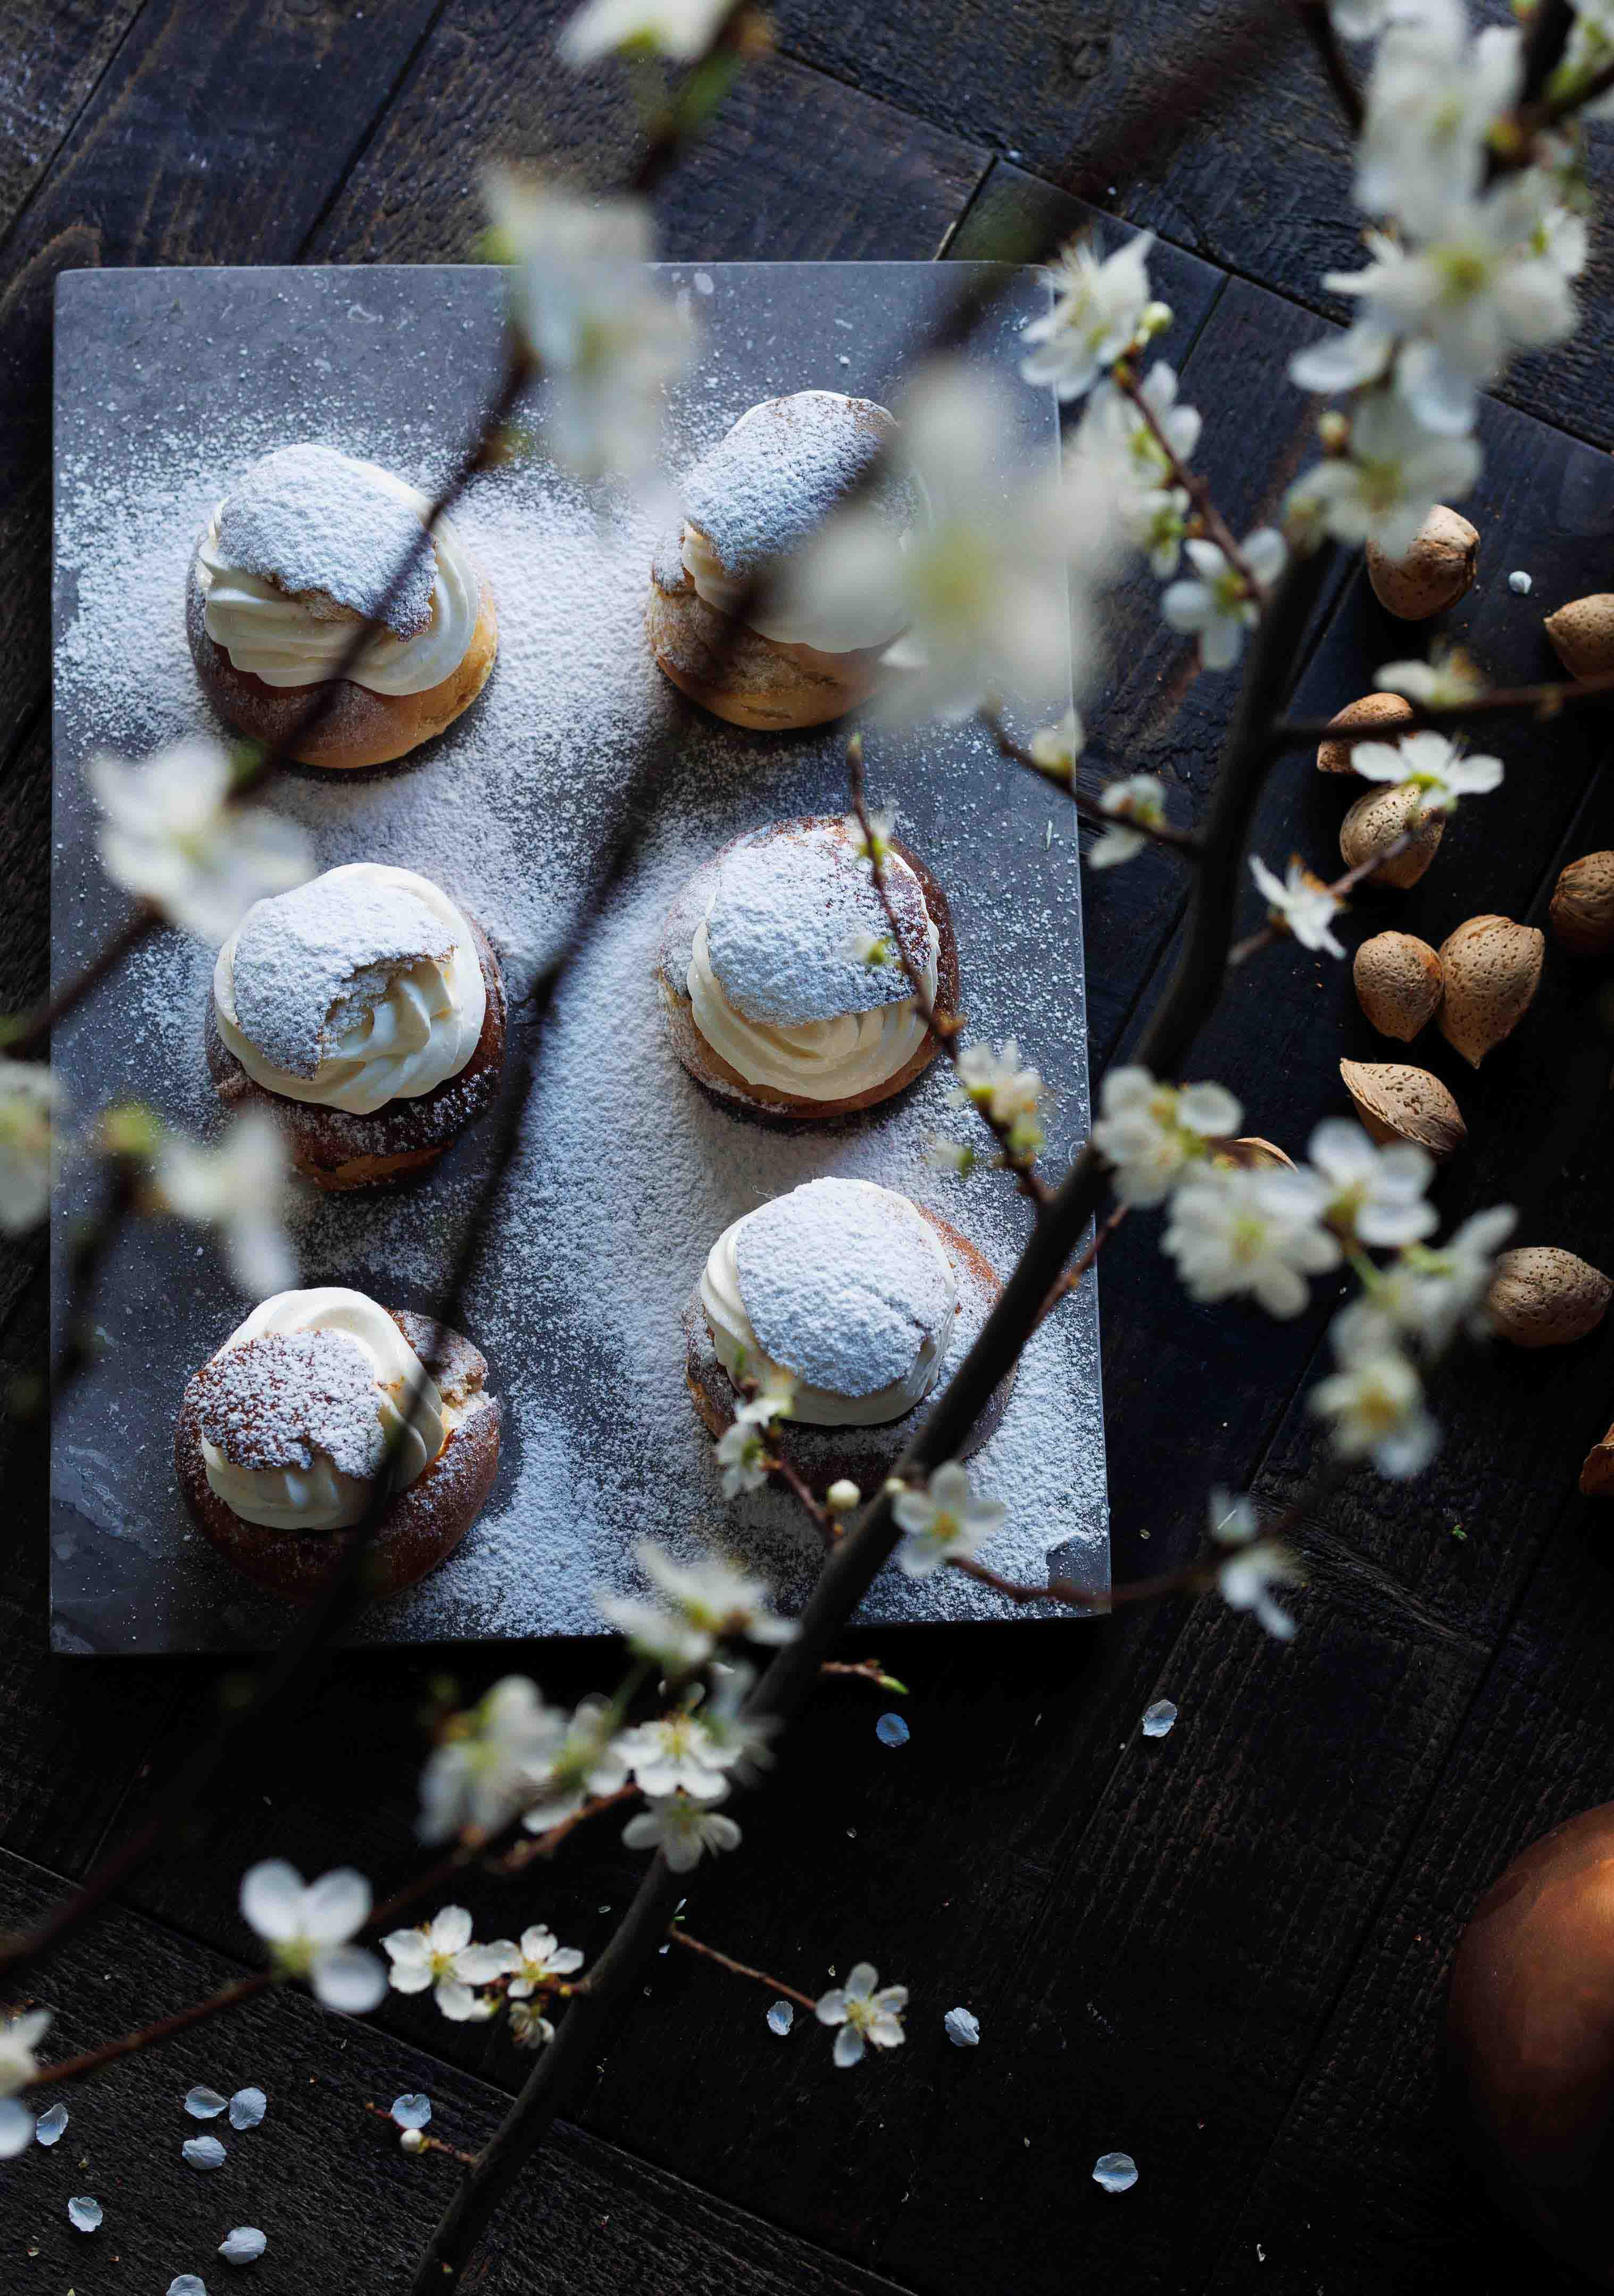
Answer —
1137 803
582 1760
1433 764
1006 1090
1384 487
980 583
1254 1565
1055 749
307 1927
528 2027
1299 903
442 1955
30 1106
482 1770
20 2039
1358 20
1428 106
867 2013
731 1739
1446 681
682 1830
873 843
714 1600
680 30
944 1519
1152 1132
1233 1231
672 1755
1374 1195
1214 603
742 1450
1374 1406
242 1188
541 1958
1098 314
172 837
608 342
1435 1290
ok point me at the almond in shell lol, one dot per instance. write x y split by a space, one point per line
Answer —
1581 912
1380 820
1582 634
1543 1297
1433 573
1492 969
1383 713
1398 1103
1398 983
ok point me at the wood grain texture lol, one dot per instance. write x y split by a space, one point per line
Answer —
320 2178
51 53
793 166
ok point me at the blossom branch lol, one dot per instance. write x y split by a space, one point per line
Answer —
425 2142
679 1936
546 1844
90 2061
1340 887
1186 842
864 1669
1544 700
1196 487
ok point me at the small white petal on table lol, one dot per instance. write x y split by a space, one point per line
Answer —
204 2104
962 2029
1158 1718
781 2016
1519 582
247 2108
1118 2172
84 2213
203 2151
412 2110
51 2124
186 2285
891 1730
244 2245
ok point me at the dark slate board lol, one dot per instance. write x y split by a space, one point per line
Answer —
166 383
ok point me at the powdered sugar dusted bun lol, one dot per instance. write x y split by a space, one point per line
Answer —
753 500
279 1432
367 1011
301 550
855 1291
768 1000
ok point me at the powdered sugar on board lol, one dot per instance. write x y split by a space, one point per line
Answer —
843 1283
627 1172
311 518
782 933
282 1398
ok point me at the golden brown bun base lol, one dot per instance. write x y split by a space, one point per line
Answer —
740 675
338 1151
421 1527
709 1067
356 727
822 1456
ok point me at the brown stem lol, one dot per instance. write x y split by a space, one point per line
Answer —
1188 1580
1265 934
1319 27
863 1670
1545 700
147 2037
944 1027
741 1969
1186 842
1197 489
780 1467
428 2144
546 1844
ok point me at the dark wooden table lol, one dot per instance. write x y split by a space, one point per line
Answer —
1225 1952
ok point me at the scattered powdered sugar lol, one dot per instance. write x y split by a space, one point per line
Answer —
782 931
774 477
306 958
312 518
626 1171
843 1283
282 1398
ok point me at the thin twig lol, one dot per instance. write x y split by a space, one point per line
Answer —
1186 842
89 2061
741 1969
428 2143
864 1669
1265 934
1196 487
1545 701
546 1844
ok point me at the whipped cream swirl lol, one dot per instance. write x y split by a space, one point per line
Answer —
396 1031
833 1059
741 1355
285 640
325 1494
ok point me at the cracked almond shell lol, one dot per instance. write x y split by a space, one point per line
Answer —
1492 970
1398 1103
1433 573
1582 634
1581 912
1384 713
1252 1154
1543 1297
1398 983
1377 820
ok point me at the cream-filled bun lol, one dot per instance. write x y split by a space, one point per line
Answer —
367 1013
304 548
853 1293
782 985
756 497
282 1432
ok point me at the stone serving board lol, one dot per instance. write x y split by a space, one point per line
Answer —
166 383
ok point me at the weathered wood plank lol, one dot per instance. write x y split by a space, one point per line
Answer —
51 53
792 167
321 2177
